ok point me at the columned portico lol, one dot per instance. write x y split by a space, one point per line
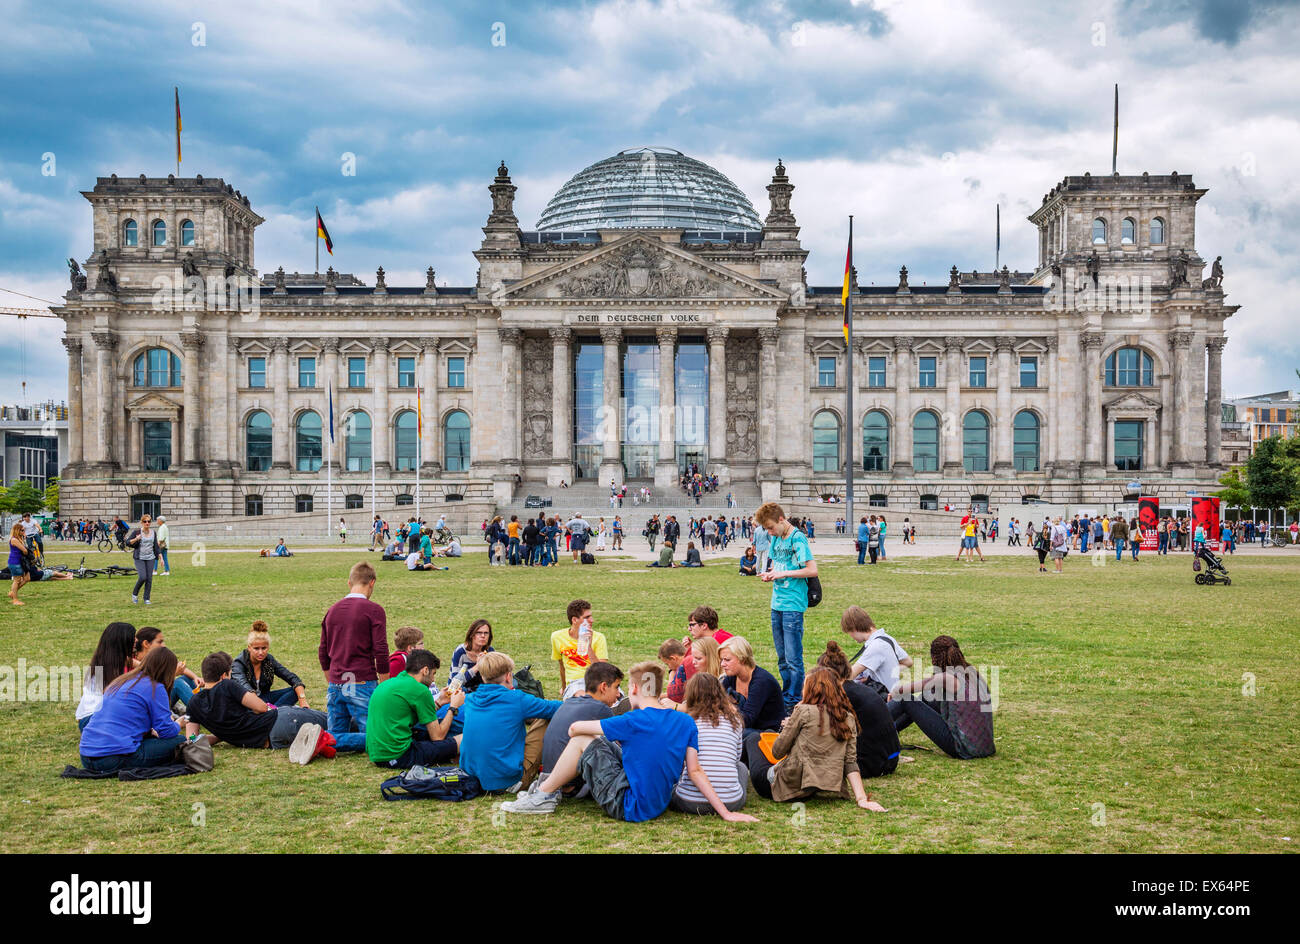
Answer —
561 468
718 402
611 463
666 470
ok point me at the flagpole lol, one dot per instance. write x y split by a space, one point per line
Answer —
848 360
329 471
997 242
419 445
176 89
315 225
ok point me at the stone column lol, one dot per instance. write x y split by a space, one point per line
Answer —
177 436
134 458
76 452
1181 341
1214 397
511 341
381 433
902 438
280 424
1051 445
768 470
666 468
331 348
191 343
1093 429
431 419
105 343
718 402
1003 463
561 407
952 420
611 463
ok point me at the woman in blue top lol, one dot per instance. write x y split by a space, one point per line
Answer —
135 707
755 690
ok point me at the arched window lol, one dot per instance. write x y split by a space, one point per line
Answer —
356 438
307 442
130 234
257 442
1025 429
875 442
157 367
159 233
925 442
455 438
407 442
826 442
1127 232
1157 231
1099 232
1130 367
187 232
975 442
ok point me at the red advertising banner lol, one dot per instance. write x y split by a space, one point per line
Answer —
1148 519
1205 515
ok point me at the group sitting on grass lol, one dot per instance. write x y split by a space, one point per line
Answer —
691 732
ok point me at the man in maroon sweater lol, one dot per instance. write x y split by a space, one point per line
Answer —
354 654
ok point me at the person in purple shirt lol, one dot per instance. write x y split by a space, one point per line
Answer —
137 705
354 654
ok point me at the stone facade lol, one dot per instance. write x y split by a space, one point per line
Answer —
192 381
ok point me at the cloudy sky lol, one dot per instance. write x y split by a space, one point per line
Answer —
919 116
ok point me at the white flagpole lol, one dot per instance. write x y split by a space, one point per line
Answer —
329 472
419 447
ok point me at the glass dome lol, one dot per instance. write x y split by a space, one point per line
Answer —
649 186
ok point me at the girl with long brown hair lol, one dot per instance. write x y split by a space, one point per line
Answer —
17 552
719 726
135 707
816 749
878 748
952 706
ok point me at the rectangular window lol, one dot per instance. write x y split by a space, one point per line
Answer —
257 372
926 374
825 371
455 372
1127 364
1029 372
875 371
406 371
1128 445
356 371
979 371
306 372
252 505
302 504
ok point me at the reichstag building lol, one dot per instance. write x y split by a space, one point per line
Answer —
651 320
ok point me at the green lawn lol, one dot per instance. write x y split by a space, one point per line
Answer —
1119 685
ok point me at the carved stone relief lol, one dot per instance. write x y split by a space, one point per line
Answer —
742 397
536 361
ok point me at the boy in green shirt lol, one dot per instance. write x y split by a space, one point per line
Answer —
403 705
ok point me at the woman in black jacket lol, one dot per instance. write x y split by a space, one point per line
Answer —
755 690
256 670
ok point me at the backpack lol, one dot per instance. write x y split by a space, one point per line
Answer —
587 558
526 682
814 591
437 783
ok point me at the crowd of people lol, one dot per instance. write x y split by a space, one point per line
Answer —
693 730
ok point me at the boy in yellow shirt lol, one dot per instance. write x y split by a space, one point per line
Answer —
565 642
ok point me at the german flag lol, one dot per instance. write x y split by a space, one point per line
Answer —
323 233
176 89
848 282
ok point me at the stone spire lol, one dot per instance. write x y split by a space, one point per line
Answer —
503 198
779 190
780 256
500 254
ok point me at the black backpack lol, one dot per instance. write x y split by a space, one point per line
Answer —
437 783
814 591
587 558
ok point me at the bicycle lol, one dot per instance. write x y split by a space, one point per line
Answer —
107 539
1281 537
81 571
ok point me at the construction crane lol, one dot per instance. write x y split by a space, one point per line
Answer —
27 312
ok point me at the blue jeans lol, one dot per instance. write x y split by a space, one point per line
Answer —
513 552
153 752
1083 542
347 704
1119 549
282 698
862 551
182 690
1164 544
787 637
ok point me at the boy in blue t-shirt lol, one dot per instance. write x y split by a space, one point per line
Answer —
632 761
792 565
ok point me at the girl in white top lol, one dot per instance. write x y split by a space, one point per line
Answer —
600 534
719 727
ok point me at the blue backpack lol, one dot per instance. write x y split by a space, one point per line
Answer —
437 783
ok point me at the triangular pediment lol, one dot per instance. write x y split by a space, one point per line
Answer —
1134 402
636 268
153 405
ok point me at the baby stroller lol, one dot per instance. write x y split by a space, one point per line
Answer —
1214 571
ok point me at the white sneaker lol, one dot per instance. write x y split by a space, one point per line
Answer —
148 602
534 801
134 598
304 745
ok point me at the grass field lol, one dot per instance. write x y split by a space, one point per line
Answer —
1120 685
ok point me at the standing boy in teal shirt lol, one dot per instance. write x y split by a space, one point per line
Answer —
792 565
